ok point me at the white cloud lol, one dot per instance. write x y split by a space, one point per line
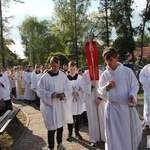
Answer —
139 4
41 12
31 7
17 48
40 8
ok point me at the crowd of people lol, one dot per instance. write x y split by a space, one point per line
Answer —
63 95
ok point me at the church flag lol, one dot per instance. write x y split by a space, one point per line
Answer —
91 51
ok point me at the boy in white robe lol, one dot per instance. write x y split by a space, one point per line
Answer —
12 83
75 100
34 83
95 112
53 90
29 94
119 86
144 78
4 91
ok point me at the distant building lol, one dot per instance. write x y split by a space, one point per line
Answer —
137 53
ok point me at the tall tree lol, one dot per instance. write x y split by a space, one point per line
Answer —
146 40
121 15
145 19
72 15
104 10
36 39
4 4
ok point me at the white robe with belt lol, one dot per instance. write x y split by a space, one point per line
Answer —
123 126
144 78
55 113
77 107
91 110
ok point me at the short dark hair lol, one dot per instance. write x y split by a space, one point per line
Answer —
109 52
37 66
30 67
72 64
55 59
65 64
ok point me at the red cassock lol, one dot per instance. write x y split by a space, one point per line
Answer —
91 51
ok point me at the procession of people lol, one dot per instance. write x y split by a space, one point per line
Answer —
64 95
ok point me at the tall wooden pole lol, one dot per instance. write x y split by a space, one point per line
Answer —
1 37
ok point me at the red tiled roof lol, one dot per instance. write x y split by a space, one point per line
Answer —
137 53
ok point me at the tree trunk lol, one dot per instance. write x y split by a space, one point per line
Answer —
2 40
142 34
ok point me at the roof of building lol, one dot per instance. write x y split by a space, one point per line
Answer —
137 53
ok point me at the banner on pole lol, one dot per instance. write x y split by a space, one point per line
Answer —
91 51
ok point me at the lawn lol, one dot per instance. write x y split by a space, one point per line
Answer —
141 96
13 132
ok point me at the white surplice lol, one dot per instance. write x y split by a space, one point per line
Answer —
94 119
55 113
4 88
34 80
29 94
123 126
144 78
23 81
77 106
19 94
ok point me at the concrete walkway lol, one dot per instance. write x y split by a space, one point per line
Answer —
35 135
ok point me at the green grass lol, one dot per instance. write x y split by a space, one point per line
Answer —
13 132
141 96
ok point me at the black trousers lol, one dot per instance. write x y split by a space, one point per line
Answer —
37 99
8 105
13 92
76 119
51 135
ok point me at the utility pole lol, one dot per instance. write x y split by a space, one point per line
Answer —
1 37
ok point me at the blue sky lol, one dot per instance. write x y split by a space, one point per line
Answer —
43 9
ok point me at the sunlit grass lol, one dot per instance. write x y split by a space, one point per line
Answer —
13 132
140 96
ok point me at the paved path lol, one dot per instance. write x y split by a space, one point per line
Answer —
35 135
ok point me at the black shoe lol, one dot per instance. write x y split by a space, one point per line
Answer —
69 137
29 102
78 136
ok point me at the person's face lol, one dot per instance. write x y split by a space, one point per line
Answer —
43 69
27 67
80 72
31 69
55 67
37 69
65 67
72 69
112 62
